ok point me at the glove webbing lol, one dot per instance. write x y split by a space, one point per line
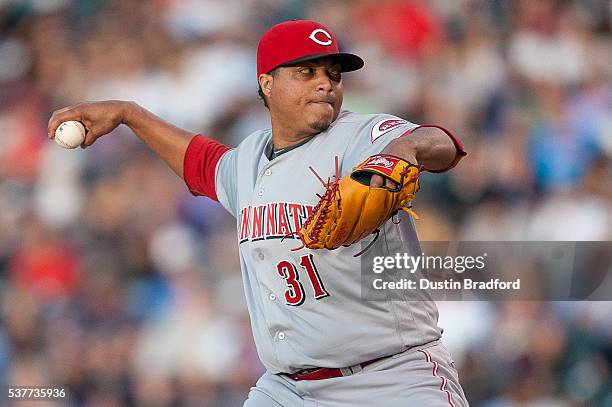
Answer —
332 193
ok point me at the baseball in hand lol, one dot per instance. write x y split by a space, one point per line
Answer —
70 134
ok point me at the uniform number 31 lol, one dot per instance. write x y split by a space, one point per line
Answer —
294 295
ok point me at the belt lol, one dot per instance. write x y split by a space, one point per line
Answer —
321 373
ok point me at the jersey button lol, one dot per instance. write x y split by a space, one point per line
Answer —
272 297
261 256
268 172
281 335
260 192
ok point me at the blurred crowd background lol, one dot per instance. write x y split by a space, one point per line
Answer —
118 283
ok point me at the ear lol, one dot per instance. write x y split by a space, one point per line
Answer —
265 82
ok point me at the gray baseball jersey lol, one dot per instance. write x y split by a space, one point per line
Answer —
305 306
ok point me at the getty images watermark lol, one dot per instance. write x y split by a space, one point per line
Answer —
455 264
490 271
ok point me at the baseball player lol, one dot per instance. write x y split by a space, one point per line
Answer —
321 343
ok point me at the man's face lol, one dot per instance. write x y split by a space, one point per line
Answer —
306 97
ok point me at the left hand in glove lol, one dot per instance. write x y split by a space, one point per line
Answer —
351 208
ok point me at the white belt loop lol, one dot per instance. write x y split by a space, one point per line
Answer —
356 369
346 371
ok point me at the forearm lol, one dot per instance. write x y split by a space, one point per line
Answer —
430 147
167 141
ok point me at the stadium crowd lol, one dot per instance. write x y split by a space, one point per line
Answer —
116 282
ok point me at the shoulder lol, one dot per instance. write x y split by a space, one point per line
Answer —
255 141
374 125
348 117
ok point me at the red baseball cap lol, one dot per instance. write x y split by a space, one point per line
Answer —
297 41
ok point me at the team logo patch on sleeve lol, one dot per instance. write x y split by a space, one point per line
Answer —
385 126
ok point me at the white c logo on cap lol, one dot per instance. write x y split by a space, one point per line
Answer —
313 36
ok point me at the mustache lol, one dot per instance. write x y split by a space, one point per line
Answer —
330 100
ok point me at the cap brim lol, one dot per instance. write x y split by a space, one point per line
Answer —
348 62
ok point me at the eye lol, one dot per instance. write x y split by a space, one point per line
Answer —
306 70
335 73
335 70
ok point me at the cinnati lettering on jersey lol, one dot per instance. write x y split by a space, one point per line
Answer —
273 220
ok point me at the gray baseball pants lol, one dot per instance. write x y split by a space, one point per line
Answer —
420 376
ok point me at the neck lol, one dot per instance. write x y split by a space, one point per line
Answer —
283 136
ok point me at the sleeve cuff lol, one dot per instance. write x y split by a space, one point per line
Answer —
200 163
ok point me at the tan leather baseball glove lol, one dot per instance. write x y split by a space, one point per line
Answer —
350 209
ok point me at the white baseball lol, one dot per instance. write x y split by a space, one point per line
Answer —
70 134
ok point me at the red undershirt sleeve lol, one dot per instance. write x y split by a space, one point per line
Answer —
200 164
460 152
